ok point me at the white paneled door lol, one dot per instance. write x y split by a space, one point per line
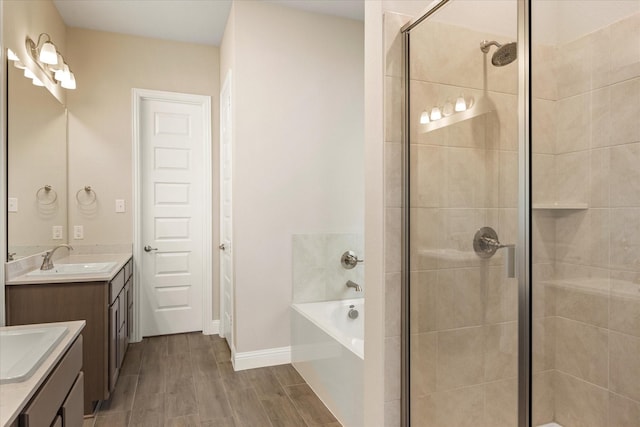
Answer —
226 248
172 140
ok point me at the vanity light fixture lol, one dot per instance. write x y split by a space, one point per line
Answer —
461 104
45 55
11 56
28 73
424 118
436 114
36 81
448 109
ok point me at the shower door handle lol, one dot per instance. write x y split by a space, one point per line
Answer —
486 244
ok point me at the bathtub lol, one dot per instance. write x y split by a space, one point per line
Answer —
328 351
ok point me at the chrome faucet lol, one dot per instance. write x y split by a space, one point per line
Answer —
354 285
47 263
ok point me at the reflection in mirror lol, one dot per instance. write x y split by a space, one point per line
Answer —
37 167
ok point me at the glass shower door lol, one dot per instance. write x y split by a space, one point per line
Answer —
586 213
463 184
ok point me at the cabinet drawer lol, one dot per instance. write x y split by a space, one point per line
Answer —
116 285
45 405
73 406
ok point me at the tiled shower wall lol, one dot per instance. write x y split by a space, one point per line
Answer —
464 176
318 274
586 140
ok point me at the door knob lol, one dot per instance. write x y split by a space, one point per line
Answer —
222 247
149 249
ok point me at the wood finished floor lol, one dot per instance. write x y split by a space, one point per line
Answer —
188 380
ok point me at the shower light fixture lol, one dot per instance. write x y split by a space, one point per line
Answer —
28 73
11 56
436 114
424 118
36 81
461 104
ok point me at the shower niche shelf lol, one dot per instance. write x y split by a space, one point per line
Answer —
481 107
557 206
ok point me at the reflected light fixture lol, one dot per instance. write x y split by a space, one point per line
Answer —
28 73
11 56
461 104
424 118
447 109
436 114
36 81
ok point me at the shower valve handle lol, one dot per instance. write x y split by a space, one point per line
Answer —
486 244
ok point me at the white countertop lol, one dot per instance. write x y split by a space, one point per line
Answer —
13 397
119 259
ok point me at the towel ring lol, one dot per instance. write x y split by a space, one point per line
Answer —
43 192
87 189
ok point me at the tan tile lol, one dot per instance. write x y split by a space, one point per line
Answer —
572 238
600 178
501 351
501 303
393 101
543 232
587 302
460 298
393 299
177 344
393 240
625 365
455 408
543 78
542 406
455 229
582 351
121 399
468 133
625 175
212 399
427 175
393 174
544 343
508 179
423 363
574 67
623 412
625 110
601 117
180 398
392 373
184 421
624 313
466 177
148 410
572 176
424 240
459 360
501 400
423 301
392 414
199 340
203 362
579 403
265 383
281 412
625 239
625 52
543 126
544 184
506 117
114 419
219 422
393 42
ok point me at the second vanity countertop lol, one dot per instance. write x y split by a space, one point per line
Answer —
14 396
120 260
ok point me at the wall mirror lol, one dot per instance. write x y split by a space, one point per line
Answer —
36 167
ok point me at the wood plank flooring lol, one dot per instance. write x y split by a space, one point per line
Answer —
187 380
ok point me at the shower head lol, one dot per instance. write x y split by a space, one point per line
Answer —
505 54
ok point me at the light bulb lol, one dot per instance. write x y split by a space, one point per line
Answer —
447 109
36 82
62 74
57 66
11 56
19 65
28 73
424 118
436 114
461 105
70 83
48 54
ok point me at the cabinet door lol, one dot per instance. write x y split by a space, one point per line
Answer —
57 422
73 406
114 314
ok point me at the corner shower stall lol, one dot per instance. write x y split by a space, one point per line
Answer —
521 301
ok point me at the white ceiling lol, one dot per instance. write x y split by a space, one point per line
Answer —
192 21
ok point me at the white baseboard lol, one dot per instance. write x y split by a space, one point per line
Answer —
212 327
261 358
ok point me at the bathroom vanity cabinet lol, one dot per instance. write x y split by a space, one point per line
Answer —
107 308
59 400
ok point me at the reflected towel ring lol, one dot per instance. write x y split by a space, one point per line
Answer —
87 189
43 192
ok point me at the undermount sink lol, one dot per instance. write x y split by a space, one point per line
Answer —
74 269
23 350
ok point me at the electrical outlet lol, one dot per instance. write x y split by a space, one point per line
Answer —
120 205
56 232
12 204
78 232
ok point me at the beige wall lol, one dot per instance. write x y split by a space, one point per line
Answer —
107 66
298 152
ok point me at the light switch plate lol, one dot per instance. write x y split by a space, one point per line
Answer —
56 232
78 232
120 205
12 204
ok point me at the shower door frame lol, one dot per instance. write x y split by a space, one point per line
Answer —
523 249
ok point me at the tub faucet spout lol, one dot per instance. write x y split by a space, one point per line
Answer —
354 285
47 263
